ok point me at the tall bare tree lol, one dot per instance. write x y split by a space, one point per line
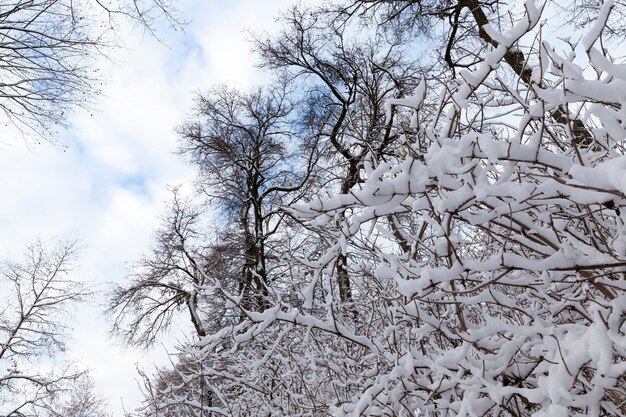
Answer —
244 148
80 400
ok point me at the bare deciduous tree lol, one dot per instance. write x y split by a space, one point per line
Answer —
80 400
167 280
244 147
37 295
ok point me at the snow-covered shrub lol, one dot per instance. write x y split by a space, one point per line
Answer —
509 253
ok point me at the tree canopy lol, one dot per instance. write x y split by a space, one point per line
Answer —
423 216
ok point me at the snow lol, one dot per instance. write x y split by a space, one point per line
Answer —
596 30
606 176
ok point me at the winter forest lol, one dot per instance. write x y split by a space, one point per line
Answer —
418 210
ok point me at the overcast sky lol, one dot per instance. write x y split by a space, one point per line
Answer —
109 187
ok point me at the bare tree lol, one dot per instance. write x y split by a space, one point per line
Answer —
169 279
80 400
245 150
37 294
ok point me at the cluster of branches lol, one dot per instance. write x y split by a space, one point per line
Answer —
37 295
384 234
48 54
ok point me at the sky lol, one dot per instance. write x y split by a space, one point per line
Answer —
109 186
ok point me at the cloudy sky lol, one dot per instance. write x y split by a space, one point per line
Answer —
109 186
